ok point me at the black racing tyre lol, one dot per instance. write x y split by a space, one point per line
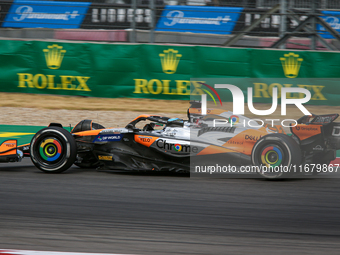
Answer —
53 150
279 154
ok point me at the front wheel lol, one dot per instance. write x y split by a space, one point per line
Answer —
53 150
274 154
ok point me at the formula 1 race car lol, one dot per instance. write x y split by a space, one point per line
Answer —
171 144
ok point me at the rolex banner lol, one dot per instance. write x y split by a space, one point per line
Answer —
161 71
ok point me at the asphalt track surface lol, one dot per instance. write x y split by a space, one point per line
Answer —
90 211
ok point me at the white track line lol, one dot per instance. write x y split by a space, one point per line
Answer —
25 252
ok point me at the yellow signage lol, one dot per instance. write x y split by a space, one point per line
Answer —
265 90
102 157
170 60
54 55
169 63
291 64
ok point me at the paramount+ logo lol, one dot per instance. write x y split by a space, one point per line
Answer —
54 55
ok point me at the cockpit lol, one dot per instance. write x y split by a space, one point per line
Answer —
153 123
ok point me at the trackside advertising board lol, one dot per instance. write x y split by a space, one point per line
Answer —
230 20
161 71
198 19
46 14
193 19
119 16
333 19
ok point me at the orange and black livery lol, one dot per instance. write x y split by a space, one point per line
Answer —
158 143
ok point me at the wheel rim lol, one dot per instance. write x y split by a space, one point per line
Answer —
50 149
271 156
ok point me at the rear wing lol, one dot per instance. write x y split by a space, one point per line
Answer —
318 119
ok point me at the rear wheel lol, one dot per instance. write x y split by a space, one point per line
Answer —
275 155
53 150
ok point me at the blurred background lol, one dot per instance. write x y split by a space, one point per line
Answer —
151 49
111 60
245 23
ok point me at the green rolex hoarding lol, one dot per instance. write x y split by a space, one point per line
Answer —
160 71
